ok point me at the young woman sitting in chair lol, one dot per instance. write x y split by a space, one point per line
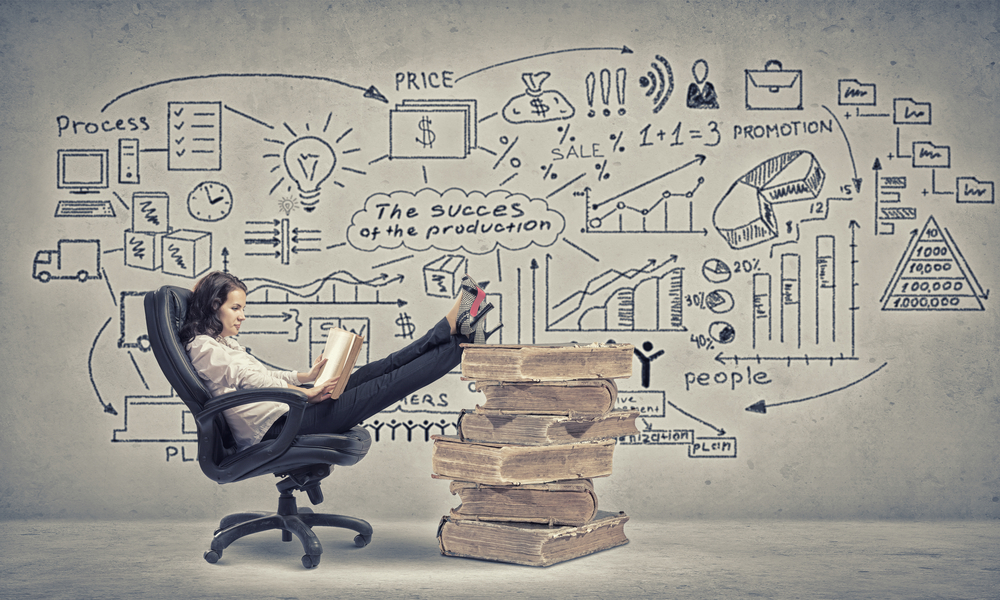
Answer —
216 311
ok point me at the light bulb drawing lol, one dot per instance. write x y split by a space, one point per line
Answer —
309 160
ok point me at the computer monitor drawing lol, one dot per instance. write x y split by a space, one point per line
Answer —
82 171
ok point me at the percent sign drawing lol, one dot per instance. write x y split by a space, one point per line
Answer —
601 167
514 161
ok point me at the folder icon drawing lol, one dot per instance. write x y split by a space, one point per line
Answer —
926 154
906 111
851 92
971 190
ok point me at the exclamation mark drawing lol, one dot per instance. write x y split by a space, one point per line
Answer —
620 88
591 84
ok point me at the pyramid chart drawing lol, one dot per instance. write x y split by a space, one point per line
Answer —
933 275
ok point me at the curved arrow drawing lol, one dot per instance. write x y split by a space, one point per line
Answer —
90 369
761 408
856 180
622 49
370 92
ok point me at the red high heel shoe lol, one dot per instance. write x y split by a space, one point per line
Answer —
472 297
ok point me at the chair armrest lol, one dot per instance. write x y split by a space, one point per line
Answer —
240 397
295 400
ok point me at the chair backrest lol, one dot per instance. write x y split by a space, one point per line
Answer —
166 309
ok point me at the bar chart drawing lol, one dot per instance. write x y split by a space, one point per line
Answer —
826 289
649 298
791 300
761 308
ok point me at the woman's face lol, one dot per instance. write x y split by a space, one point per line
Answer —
231 312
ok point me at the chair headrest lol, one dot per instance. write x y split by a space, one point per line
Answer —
166 309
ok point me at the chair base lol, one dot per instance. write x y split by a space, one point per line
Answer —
233 527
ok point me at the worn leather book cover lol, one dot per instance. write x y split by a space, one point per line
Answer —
581 396
571 502
497 427
557 362
530 544
451 458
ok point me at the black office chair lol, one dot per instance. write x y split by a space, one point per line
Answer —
300 460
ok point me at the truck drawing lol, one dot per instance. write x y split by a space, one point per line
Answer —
73 259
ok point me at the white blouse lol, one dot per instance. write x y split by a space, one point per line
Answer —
225 366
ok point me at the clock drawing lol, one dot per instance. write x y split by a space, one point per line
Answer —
210 201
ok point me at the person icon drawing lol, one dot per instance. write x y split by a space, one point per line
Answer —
701 93
646 360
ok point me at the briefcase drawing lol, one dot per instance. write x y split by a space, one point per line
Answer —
773 88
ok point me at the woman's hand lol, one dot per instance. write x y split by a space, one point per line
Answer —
313 373
319 393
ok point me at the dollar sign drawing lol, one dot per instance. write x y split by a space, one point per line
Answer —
404 323
540 108
427 136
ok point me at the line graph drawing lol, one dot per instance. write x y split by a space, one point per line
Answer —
648 298
338 287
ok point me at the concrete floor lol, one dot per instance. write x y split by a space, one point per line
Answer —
54 559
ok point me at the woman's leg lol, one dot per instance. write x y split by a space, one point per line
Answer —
376 386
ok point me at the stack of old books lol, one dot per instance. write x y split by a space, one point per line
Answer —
524 460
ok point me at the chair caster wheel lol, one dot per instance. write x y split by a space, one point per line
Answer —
212 556
361 541
310 561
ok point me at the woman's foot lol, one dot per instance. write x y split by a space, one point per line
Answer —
472 296
475 327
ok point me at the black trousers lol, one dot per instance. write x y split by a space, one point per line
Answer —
379 384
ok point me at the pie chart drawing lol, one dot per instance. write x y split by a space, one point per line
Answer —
722 332
719 301
716 271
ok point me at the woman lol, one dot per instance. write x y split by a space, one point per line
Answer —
216 312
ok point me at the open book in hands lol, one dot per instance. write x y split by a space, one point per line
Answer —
341 352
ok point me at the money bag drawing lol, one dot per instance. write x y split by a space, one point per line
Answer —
536 105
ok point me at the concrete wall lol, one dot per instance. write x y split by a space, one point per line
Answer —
879 403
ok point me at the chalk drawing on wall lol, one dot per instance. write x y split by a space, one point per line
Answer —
933 275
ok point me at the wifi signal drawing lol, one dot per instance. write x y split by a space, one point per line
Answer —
660 81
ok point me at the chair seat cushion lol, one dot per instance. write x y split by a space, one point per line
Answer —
343 449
